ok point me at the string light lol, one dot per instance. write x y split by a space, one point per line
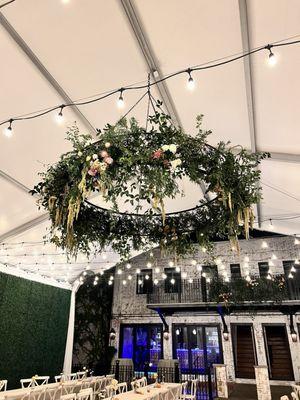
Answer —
293 269
8 131
119 272
157 270
271 59
59 118
177 269
194 262
274 257
246 259
149 264
128 265
172 281
190 82
120 102
296 241
171 264
155 281
264 245
110 282
184 275
190 280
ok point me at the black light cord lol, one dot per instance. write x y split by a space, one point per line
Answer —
121 90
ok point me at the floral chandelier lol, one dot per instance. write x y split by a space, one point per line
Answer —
143 166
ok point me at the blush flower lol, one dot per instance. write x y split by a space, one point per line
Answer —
157 154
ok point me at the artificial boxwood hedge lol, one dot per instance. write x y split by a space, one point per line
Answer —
33 328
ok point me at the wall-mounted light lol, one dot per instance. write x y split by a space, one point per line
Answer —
166 334
112 334
225 333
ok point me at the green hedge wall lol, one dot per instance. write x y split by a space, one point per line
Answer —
33 328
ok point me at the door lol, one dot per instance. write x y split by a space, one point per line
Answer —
244 351
196 347
278 353
143 344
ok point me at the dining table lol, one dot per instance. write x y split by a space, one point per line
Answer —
165 391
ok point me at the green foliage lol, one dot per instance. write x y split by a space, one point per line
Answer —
33 329
144 166
257 290
92 325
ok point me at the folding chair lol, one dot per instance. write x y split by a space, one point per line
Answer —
3 385
122 387
99 386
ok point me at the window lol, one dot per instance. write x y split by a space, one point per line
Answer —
292 277
209 273
263 269
235 271
172 281
144 283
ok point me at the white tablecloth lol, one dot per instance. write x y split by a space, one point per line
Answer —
167 391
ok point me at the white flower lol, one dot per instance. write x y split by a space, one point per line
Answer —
79 153
176 163
107 145
173 148
88 158
165 147
95 156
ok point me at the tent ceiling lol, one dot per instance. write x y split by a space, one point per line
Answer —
91 47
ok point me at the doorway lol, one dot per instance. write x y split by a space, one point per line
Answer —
244 351
196 347
278 353
143 344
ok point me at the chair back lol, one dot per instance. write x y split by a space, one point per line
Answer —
67 387
59 378
135 384
86 394
99 385
70 377
41 380
3 385
54 393
27 382
143 381
194 386
81 374
85 384
110 391
122 387
184 388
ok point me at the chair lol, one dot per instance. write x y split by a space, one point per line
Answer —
99 386
143 381
183 390
70 396
122 387
81 374
85 384
41 380
59 378
54 393
293 394
27 383
3 385
192 395
86 394
67 387
110 391
135 384
70 377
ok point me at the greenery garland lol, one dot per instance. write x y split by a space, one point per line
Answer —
142 166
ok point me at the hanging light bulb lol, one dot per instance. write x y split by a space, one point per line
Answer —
149 264
264 245
172 281
177 269
155 281
190 280
272 60
129 277
110 282
171 264
59 118
157 270
120 102
296 241
8 131
293 269
128 266
274 257
147 277
269 277
190 82
246 259
290 276
184 275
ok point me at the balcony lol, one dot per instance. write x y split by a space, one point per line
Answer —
201 294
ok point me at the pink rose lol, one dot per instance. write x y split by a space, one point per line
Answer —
104 154
108 160
157 154
92 171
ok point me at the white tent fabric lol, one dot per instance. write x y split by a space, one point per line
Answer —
53 48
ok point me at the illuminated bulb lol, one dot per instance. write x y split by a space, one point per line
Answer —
293 269
101 273
149 265
194 332
104 256
95 283
190 280
177 332
193 262
204 274
124 282
120 102
218 261
151 254
246 259
274 257
190 82
84 273
128 266
140 281
184 275
59 118
172 281
119 271
157 270
111 278
226 279
155 281
110 282
290 275
264 245
296 241
65 1
248 279
203 249
199 268
272 60
164 276
8 131
177 269
96 278
147 277
297 261
171 264
269 277
138 271
208 280
129 277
